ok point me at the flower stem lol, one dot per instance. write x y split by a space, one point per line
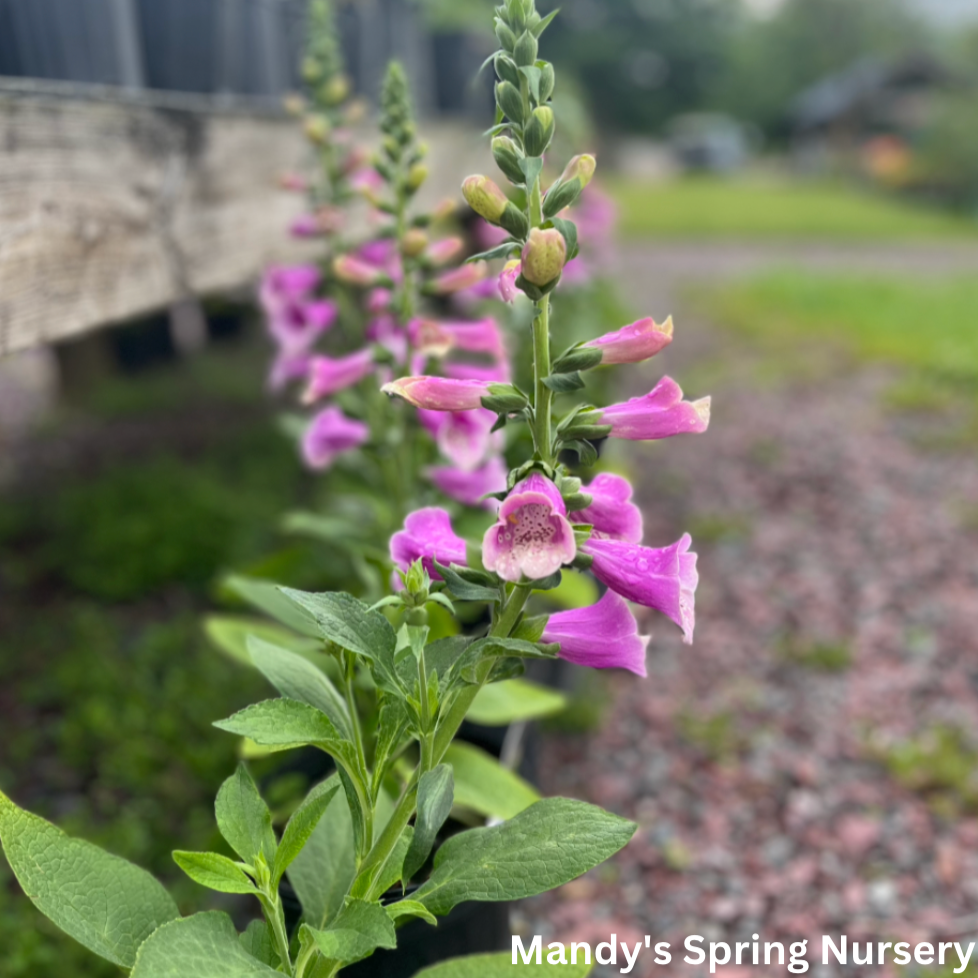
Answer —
273 914
543 395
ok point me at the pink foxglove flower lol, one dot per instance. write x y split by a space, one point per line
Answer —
612 513
469 487
327 375
294 182
634 343
460 278
533 537
285 283
356 271
368 182
663 578
427 536
329 433
488 236
661 413
297 324
436 338
507 280
306 226
602 636
463 437
287 367
385 331
439 393
443 251
378 301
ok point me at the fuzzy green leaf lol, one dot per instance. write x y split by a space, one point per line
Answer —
205 945
549 844
268 597
229 633
350 624
259 942
302 824
243 817
501 966
214 871
296 678
463 590
484 785
358 930
500 704
322 872
435 794
410 908
104 902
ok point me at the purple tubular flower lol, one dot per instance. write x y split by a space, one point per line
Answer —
460 278
285 283
385 331
288 367
470 487
436 338
306 226
602 636
507 280
328 375
661 413
496 373
465 438
634 343
664 578
378 301
532 537
439 393
612 513
428 536
297 324
329 433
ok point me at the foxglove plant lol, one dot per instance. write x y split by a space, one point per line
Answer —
366 850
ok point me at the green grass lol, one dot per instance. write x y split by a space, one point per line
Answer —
931 327
744 209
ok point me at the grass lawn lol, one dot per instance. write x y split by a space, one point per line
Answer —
751 208
931 327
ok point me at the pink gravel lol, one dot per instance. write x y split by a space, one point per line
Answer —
829 526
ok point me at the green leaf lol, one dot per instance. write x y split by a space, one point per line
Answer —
568 230
565 383
545 23
205 945
302 823
485 786
268 597
410 908
501 966
549 844
533 75
392 870
358 930
463 590
229 633
500 704
435 793
440 656
282 724
350 624
322 872
500 251
531 167
214 871
243 817
493 647
296 678
259 942
104 902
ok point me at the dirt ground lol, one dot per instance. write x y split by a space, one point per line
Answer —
805 767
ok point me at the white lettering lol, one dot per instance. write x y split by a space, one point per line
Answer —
828 944
630 958
696 950
964 959
587 952
612 948
536 945
901 953
922 956
662 951
714 960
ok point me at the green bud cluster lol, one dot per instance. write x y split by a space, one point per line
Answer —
400 162
322 67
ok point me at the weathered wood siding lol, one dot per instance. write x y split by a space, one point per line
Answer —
109 210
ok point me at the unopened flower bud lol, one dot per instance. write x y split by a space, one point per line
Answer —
414 243
294 104
505 36
484 197
442 252
311 70
317 129
525 52
516 15
544 256
417 176
580 168
416 580
444 210
546 81
506 69
507 156
336 89
539 131
508 98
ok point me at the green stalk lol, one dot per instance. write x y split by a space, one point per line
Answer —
542 394
273 914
